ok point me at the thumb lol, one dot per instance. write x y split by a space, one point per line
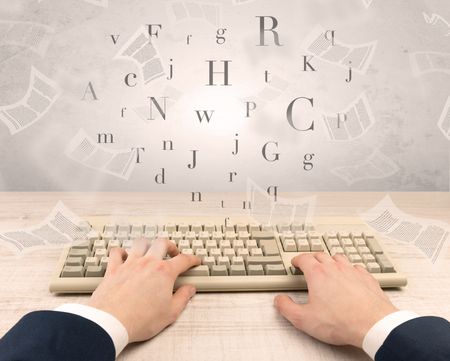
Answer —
181 298
290 310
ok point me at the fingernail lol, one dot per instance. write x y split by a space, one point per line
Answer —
192 291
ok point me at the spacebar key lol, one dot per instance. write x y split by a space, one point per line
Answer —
264 260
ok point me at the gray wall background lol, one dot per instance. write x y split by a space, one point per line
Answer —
406 107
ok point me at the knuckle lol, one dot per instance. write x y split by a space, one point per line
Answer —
162 267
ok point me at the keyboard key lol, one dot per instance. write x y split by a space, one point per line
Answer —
95 271
92 235
210 227
368 258
244 235
104 262
251 243
74 261
228 228
237 244
230 235
219 270
313 234
127 244
110 228
308 227
154 228
283 227
183 244
188 251
228 252
374 246
316 245
346 242
295 270
215 252
303 245
210 244
201 252
333 242
224 244
300 235
190 236
354 258
243 252
99 244
254 227
385 264
82 244
255 270
122 235
296 227
287 234
256 252
83 253
197 271
269 247
223 261
197 244
209 261
330 234
274 269
91 261
183 228
373 267
336 250
197 228
237 260
363 250
123 228
241 227
115 243
237 270
289 245
359 242
263 235
262 260
72 271
350 250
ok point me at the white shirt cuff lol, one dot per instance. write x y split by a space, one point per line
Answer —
378 333
113 327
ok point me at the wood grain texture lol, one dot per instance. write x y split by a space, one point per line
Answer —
236 326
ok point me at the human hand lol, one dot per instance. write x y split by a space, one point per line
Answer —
137 287
344 301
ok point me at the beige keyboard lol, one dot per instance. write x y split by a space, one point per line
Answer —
235 257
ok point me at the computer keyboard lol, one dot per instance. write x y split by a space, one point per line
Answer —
235 257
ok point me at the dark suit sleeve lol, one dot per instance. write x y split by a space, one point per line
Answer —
54 335
419 339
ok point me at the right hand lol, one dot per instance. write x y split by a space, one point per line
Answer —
344 301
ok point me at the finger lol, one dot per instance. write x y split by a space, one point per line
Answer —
138 249
305 262
160 247
340 258
322 257
181 298
183 262
116 258
290 310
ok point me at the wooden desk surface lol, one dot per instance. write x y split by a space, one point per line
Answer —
237 326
